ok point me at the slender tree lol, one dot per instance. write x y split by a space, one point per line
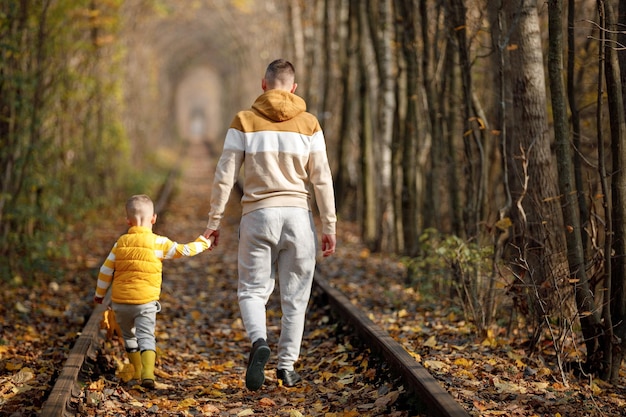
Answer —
589 315
408 130
344 183
381 27
536 246
369 204
618 193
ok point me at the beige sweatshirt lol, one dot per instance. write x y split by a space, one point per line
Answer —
283 153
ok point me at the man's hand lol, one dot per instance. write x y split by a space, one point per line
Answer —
97 300
328 244
214 234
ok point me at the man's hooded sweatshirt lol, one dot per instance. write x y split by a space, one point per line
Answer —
283 153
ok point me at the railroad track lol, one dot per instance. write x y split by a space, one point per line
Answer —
213 323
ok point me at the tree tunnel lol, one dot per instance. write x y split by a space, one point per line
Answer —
190 67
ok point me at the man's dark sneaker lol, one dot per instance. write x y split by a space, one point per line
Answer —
255 374
289 378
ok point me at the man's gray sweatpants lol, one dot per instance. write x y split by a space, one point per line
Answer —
277 242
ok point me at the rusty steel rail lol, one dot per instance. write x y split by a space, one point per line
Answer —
433 400
58 403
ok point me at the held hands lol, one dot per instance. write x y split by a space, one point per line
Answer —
213 235
328 244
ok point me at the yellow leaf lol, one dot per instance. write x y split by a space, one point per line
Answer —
13 366
21 308
466 374
126 372
504 223
463 362
327 375
186 403
514 356
346 380
595 388
509 388
431 342
435 365
246 412
415 355
97 385
110 325
23 376
212 393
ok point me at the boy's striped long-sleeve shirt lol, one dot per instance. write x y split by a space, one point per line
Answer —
134 265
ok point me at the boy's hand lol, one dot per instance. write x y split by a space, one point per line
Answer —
214 235
97 300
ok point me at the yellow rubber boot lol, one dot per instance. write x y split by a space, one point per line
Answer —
148 358
135 360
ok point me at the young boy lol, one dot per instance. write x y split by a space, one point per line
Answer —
134 267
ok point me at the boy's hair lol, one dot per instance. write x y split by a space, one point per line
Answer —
280 72
139 205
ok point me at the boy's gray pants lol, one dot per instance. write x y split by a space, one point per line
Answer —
138 323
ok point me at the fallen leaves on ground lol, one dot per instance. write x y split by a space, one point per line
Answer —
203 347
490 376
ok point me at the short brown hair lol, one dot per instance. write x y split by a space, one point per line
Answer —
280 72
139 205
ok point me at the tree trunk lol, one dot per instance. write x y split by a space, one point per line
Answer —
589 317
575 120
344 186
450 131
408 131
367 177
382 35
536 247
471 141
432 199
618 194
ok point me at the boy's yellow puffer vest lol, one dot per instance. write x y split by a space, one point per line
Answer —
138 271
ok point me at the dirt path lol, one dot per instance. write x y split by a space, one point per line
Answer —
202 345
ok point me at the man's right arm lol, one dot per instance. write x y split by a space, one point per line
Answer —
226 174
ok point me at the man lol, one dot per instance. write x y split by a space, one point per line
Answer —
283 152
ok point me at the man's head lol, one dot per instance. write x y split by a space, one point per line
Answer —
280 75
140 211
